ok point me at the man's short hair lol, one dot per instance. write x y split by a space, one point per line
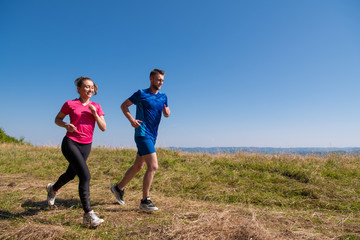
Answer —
156 71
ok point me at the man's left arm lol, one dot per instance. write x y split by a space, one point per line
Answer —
166 111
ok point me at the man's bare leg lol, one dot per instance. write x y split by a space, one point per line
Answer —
132 171
152 165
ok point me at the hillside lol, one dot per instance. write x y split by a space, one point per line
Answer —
4 138
200 196
270 150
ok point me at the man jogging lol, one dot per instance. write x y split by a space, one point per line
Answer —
150 105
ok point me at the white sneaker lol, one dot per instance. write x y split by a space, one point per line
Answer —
92 220
51 194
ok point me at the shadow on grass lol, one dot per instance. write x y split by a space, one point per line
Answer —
42 205
34 207
118 210
131 210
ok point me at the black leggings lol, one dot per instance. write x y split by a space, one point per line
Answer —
76 154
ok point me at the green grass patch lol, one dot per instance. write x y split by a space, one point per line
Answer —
286 183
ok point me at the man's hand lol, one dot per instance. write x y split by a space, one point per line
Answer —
136 123
166 111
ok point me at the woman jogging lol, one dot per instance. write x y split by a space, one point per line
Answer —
76 145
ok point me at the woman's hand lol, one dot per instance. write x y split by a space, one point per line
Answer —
70 127
59 121
99 119
92 109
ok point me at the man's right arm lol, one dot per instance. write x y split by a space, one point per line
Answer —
125 109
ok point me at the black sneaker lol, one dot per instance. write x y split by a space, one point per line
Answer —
119 195
147 205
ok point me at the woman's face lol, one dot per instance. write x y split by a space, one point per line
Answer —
87 89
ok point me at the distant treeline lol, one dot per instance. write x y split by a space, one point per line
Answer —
7 139
269 150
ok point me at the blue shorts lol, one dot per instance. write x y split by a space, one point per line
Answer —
144 145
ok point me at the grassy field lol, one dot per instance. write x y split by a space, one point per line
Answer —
200 196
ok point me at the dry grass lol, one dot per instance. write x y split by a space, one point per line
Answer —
178 219
24 213
32 219
33 231
219 224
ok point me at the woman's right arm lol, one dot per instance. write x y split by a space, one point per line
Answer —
59 121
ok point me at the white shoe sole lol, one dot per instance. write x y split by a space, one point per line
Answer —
148 209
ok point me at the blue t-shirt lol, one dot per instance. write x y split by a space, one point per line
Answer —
148 110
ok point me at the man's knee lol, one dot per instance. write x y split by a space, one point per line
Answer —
138 167
151 161
154 168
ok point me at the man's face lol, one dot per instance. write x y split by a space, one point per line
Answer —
157 81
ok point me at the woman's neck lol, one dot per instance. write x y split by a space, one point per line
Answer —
84 101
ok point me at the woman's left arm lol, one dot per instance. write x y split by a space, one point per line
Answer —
99 119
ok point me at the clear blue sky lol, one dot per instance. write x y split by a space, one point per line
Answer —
238 73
